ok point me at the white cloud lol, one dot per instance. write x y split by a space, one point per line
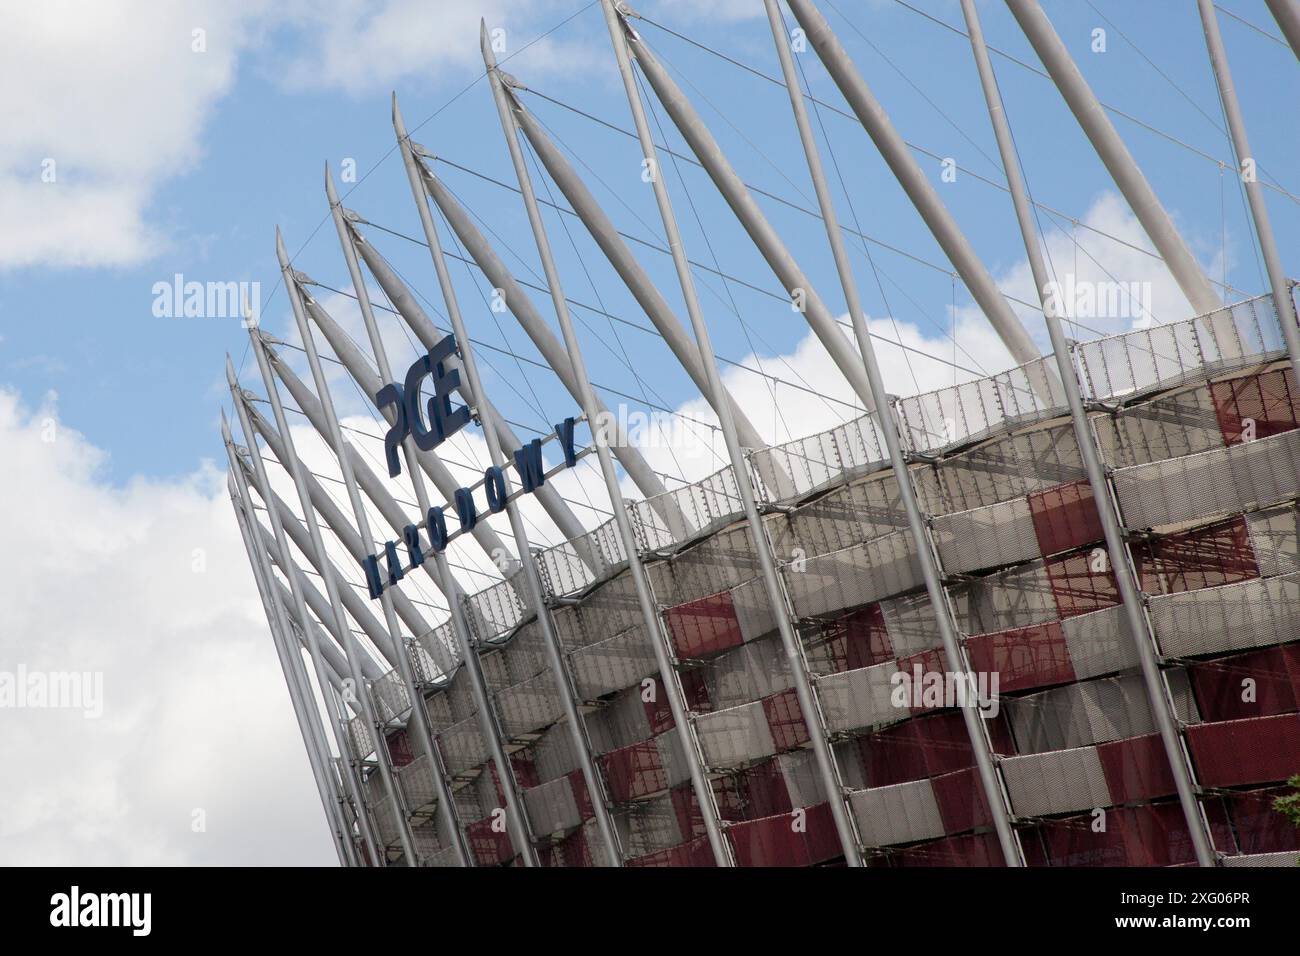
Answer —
195 713
115 95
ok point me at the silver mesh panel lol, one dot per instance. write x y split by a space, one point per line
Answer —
748 672
1222 481
1171 426
802 779
987 537
901 813
529 705
854 576
1016 598
735 736
1099 643
913 626
1274 539
672 758
555 753
753 610
1289 858
462 746
416 782
859 698
619 723
1232 617
607 666
362 739
551 807
652 825
1056 782
1077 715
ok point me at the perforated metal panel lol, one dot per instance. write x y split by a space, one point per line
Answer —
854 576
1273 538
529 705
417 784
754 611
620 722
859 698
986 537
462 746
900 813
551 807
555 753
1056 782
613 664
1221 481
735 736
1077 715
1233 617
1099 643
1290 858
748 672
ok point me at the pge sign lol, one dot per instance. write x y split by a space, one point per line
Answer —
429 427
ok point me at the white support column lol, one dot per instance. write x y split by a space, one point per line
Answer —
1287 15
336 713
521 306
1247 170
682 720
286 651
342 632
1136 620
804 690
955 653
1119 162
910 176
534 592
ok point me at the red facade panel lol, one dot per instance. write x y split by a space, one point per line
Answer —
928 662
692 853
1151 835
973 849
1255 684
1035 656
1065 517
633 771
581 796
659 713
490 847
1206 557
399 748
1082 582
1136 769
799 838
858 639
924 747
704 627
1237 752
762 790
1258 827
1270 400
961 802
785 720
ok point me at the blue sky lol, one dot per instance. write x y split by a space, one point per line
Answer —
126 561
147 389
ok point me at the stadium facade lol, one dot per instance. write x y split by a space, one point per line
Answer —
1048 617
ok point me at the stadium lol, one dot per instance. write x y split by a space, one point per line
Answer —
1044 617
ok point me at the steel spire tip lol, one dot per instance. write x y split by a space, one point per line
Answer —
280 252
330 192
